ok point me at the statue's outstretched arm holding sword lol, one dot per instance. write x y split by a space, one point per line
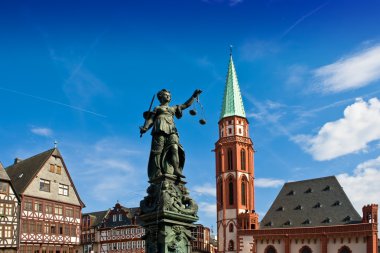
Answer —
148 116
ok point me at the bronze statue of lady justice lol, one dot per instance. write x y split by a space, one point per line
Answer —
166 155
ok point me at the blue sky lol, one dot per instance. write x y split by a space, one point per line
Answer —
82 73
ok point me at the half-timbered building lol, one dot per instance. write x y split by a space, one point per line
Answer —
203 241
119 231
9 214
50 215
90 231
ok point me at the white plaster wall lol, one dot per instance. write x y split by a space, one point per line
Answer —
230 214
240 130
220 238
55 179
280 247
247 244
228 130
231 236
360 247
220 215
315 247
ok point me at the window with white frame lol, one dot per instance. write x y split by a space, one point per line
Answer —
63 190
8 231
38 206
44 185
120 217
58 210
3 187
8 209
133 244
128 245
138 244
114 218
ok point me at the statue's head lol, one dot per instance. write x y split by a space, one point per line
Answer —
164 96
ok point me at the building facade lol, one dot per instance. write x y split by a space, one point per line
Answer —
117 230
203 241
310 216
90 238
9 214
50 215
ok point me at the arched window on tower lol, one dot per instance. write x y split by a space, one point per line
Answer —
344 249
220 161
243 192
231 245
305 249
270 249
230 192
231 228
243 159
229 159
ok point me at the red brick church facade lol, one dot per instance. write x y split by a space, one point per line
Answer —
310 216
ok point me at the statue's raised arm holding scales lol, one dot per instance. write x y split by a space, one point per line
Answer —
166 155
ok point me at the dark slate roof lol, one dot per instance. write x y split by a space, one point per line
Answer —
3 174
23 172
97 217
131 217
311 203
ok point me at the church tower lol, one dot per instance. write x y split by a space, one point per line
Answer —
234 168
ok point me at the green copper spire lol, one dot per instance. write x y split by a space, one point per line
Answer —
232 101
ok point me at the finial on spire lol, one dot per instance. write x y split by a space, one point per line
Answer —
55 144
231 49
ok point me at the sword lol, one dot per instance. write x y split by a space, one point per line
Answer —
146 114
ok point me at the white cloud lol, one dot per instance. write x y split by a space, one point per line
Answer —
267 111
209 209
296 75
42 131
362 187
102 168
350 72
352 133
206 189
268 182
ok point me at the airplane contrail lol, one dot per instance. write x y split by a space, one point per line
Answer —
53 102
302 18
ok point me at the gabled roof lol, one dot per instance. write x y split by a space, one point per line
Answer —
97 217
232 100
23 172
3 174
104 218
310 203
